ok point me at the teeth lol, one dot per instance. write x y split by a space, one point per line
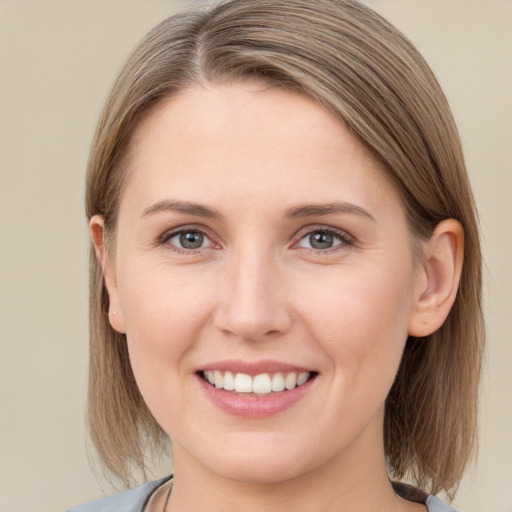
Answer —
229 381
217 379
261 384
302 378
278 382
290 381
243 383
209 377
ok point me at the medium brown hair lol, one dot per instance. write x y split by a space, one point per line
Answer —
367 74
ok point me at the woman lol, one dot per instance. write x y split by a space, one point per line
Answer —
286 272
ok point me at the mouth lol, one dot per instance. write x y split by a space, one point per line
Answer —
262 384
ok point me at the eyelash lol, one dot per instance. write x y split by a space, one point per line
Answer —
345 240
168 235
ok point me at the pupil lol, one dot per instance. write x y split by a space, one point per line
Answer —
321 240
191 240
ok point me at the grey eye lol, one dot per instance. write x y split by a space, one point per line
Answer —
321 240
189 240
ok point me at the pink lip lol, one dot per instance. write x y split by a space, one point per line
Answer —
253 368
249 405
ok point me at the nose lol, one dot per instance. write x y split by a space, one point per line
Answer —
253 305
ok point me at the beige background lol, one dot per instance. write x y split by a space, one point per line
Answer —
57 61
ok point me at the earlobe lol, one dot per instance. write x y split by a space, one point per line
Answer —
438 279
97 233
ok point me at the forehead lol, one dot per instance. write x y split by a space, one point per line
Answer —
255 113
250 137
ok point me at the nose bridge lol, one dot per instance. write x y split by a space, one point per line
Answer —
253 303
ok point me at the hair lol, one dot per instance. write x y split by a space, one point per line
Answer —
361 69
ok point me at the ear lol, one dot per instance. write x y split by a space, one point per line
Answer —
438 278
97 233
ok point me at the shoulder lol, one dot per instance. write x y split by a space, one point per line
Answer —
133 500
434 504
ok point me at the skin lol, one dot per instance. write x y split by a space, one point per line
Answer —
256 290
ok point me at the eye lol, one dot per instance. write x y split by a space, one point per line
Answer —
188 239
323 240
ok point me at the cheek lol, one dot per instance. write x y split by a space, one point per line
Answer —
164 313
360 317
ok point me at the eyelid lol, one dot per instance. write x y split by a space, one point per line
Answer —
170 233
346 238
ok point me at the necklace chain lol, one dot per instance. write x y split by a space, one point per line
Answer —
167 498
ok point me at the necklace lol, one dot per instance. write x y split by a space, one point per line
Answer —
167 498
170 489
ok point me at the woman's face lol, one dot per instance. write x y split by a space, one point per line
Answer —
259 246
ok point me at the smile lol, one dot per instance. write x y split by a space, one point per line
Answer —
261 384
255 390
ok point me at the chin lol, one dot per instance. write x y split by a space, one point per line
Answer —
260 466
264 473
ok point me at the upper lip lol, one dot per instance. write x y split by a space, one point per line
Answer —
253 367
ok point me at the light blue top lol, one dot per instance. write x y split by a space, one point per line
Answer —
136 500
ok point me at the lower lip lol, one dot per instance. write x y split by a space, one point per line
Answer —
251 405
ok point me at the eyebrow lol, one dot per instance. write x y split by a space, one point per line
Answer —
308 210
186 207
